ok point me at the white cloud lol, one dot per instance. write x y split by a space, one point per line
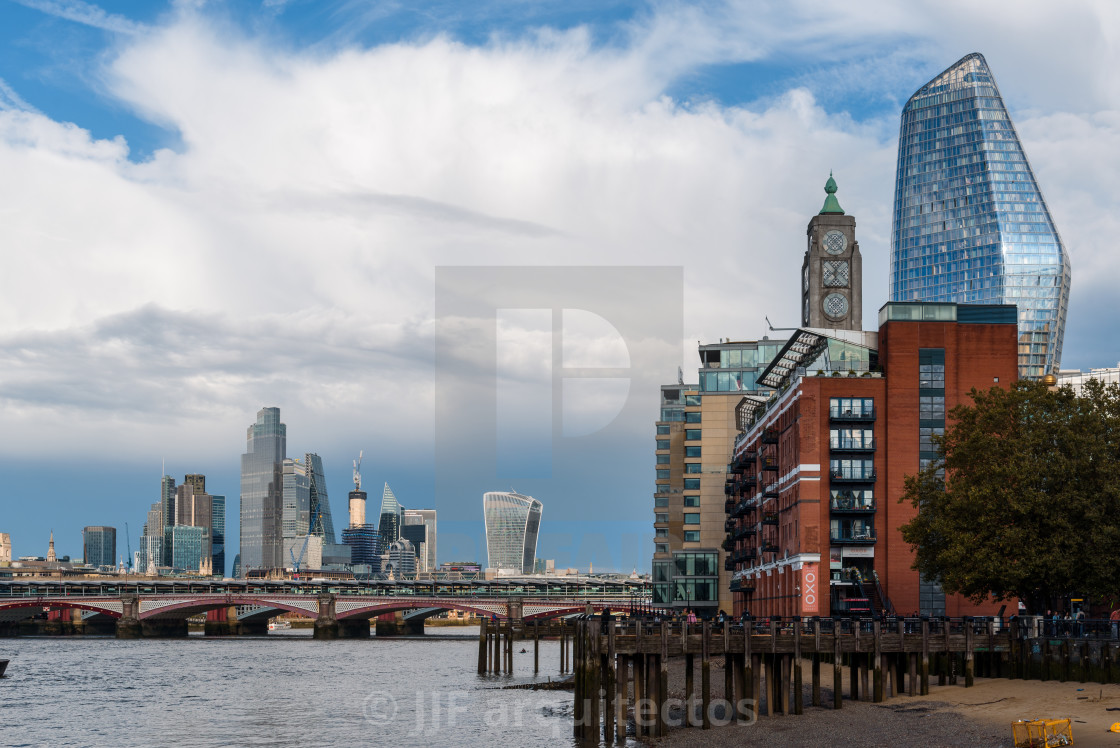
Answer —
86 14
287 252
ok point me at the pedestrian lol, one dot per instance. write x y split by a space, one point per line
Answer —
1114 617
692 615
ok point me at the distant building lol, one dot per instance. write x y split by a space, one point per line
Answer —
99 546
195 508
364 542
425 541
50 549
1077 379
236 571
183 547
357 500
5 548
400 560
389 522
512 525
218 534
322 524
262 492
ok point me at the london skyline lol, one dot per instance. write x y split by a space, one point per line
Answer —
212 209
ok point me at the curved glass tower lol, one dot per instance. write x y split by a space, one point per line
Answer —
970 223
512 524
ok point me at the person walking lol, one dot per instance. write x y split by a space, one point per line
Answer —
1114 617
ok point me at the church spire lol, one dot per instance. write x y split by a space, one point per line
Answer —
51 558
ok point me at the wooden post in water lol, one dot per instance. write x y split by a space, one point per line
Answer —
651 671
877 659
536 647
837 673
578 716
663 682
798 696
969 655
773 672
482 648
913 673
638 661
705 674
816 661
750 669
924 686
786 670
621 677
607 665
689 690
594 671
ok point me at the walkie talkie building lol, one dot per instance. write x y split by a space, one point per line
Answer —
512 524
970 222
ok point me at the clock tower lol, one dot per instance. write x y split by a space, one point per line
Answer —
832 272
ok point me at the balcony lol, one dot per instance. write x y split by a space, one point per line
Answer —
769 436
742 585
729 564
852 414
856 535
726 544
729 505
852 475
747 554
771 491
744 532
770 519
729 525
743 508
852 445
851 505
747 455
769 548
769 463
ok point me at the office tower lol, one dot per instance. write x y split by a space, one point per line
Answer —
357 501
427 553
236 571
99 546
151 551
167 500
400 560
5 548
414 531
218 534
970 222
321 522
389 522
364 542
195 508
262 492
832 271
152 537
512 524
183 549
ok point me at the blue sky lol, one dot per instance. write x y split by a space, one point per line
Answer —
213 206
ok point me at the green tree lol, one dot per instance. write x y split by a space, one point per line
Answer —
1025 498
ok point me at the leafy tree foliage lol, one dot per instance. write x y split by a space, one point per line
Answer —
1025 498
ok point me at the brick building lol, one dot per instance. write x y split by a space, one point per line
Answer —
812 494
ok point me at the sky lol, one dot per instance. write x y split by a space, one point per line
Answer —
209 207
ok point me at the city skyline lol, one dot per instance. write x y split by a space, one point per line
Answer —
261 197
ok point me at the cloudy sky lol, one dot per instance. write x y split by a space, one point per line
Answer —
208 207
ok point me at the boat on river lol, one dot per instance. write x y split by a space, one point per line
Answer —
279 626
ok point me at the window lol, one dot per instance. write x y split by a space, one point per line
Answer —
663 459
692 417
925 438
660 548
661 532
692 451
691 399
691 501
851 439
692 435
661 571
692 519
931 368
931 408
708 381
852 469
663 473
663 429
852 406
692 536
661 517
662 443
661 502
692 484
692 467
694 564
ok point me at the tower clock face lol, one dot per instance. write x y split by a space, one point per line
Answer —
805 279
835 273
835 242
835 306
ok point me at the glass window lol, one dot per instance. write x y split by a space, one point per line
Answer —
692 451
735 360
691 399
661 501
663 473
692 417
692 518
692 467
661 571
708 380
661 517
661 532
723 381
692 500
692 484
724 359
692 435
662 443
660 548
692 536
663 429
750 357
661 592
663 459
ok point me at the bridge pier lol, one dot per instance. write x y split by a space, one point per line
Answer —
395 624
326 624
128 625
353 628
163 628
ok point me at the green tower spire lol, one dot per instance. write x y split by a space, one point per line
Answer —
831 204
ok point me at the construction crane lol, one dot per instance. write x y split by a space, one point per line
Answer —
128 544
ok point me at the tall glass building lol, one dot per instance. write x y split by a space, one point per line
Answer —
512 524
262 492
389 519
322 524
970 222
218 535
99 545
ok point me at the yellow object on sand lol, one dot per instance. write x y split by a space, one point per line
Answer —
1115 727
1044 733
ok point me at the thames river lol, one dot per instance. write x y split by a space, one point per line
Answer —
279 690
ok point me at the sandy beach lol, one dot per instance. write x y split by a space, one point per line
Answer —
948 716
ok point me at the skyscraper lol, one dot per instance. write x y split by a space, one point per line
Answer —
321 522
426 560
99 545
262 492
512 524
194 508
970 222
218 534
389 523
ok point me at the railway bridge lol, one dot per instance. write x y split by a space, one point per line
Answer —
340 609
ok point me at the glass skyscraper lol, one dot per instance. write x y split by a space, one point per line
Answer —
389 519
262 492
970 223
512 524
99 545
218 535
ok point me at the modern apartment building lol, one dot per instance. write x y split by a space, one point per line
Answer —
815 478
970 222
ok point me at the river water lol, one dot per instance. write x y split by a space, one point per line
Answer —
284 689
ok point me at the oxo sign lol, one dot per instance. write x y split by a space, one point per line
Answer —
809 591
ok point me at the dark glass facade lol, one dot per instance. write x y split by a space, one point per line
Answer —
218 534
262 492
99 546
970 223
365 548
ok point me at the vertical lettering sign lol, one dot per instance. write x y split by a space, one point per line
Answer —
810 588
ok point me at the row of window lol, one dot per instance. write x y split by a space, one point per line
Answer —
851 406
851 438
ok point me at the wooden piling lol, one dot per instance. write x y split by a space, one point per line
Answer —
689 690
705 674
578 717
482 636
969 654
816 660
923 687
663 682
621 677
877 660
837 673
913 674
593 661
609 687
798 696
638 661
536 647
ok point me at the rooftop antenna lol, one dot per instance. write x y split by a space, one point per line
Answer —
358 471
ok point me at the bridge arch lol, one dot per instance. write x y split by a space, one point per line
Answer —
344 611
187 608
12 611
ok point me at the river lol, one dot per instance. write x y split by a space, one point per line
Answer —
284 689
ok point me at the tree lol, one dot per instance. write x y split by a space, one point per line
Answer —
1025 498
